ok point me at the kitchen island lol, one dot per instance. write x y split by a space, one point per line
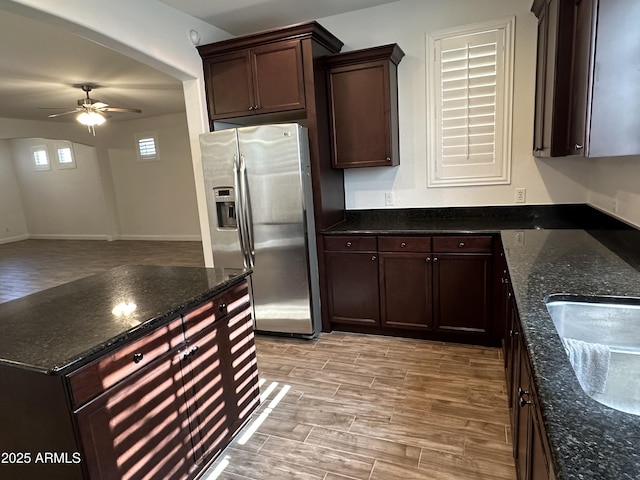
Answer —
137 372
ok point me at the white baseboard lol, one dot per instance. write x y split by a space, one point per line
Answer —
64 236
17 238
162 238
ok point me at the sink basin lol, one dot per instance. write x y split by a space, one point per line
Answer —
601 336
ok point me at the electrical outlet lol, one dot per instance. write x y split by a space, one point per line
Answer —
388 199
519 238
521 195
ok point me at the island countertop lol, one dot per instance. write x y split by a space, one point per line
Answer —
55 329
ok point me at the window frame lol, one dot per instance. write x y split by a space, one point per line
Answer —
498 172
61 145
147 158
36 166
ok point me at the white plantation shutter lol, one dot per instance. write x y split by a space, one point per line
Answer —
470 106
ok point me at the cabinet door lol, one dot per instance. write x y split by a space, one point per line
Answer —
229 85
522 413
139 429
405 290
207 397
360 120
352 284
240 367
580 77
553 77
538 462
278 77
462 292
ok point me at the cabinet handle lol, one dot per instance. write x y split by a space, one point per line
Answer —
403 244
137 357
578 146
461 245
349 244
222 307
522 393
537 149
524 403
373 258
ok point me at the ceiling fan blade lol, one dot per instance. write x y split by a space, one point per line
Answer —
53 115
121 110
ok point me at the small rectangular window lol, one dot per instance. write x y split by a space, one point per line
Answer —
40 157
64 155
147 147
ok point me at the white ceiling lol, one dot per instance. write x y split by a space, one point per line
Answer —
41 68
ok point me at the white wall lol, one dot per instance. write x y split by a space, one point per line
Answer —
407 24
64 203
155 200
13 225
615 186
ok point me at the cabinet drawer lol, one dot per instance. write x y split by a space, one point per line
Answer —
404 244
91 380
219 306
347 243
462 244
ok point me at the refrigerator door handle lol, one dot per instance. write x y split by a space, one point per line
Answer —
237 185
246 214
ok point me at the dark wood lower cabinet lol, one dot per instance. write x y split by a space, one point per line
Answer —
401 285
352 288
531 450
462 293
139 429
405 290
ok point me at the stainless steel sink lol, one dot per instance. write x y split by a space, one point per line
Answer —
589 326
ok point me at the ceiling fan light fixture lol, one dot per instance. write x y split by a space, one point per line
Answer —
90 119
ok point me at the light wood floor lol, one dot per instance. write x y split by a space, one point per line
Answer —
341 407
33 265
351 406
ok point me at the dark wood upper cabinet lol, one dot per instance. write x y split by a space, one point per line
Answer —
363 107
268 72
265 79
587 80
553 73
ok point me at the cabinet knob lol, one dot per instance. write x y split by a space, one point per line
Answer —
522 393
349 244
222 307
578 146
137 357
428 259
388 159
251 107
435 259
461 245
537 149
403 244
373 258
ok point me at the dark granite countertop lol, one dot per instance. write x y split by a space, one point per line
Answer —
588 439
56 329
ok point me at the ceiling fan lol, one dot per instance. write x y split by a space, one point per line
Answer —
92 112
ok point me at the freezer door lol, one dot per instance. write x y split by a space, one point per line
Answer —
219 149
275 161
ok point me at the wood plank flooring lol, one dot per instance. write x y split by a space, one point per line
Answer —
29 266
341 407
350 406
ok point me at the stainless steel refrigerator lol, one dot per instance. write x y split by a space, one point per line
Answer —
260 209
